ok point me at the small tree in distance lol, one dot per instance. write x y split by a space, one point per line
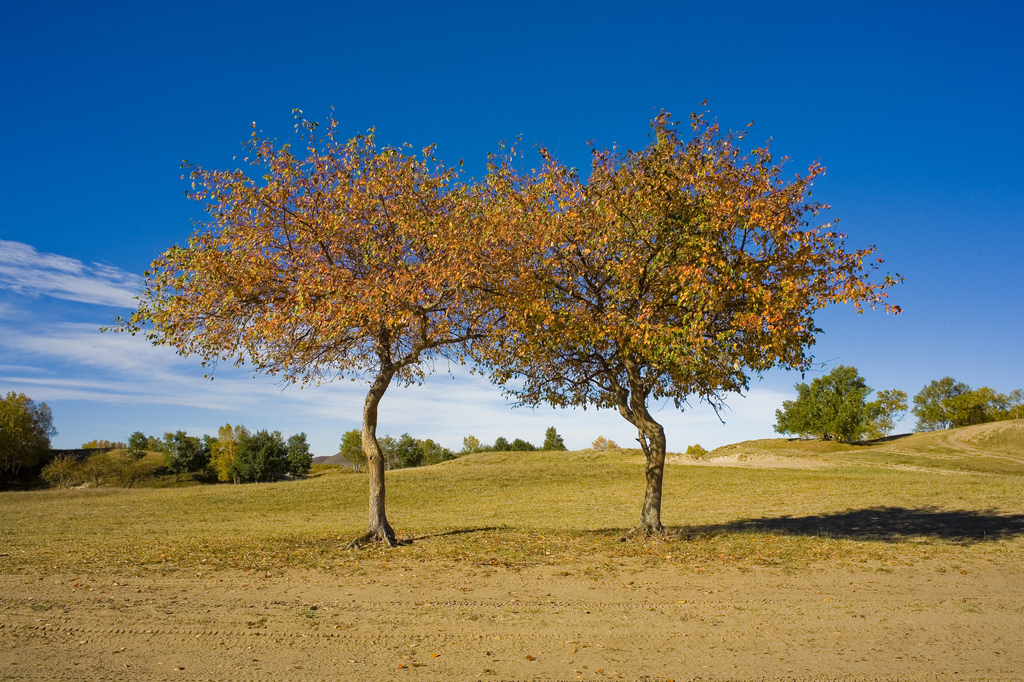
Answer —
351 448
552 441
261 456
25 431
884 411
300 459
137 444
832 407
601 444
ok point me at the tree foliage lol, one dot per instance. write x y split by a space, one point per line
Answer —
884 411
673 271
832 407
137 444
300 459
184 453
351 448
601 444
224 452
350 261
25 431
261 456
552 441
947 404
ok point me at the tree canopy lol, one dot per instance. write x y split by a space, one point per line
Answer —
25 431
672 272
831 407
947 404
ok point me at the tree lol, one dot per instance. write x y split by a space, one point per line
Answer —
351 448
976 406
300 459
154 444
184 453
673 272
552 441
351 262
137 444
930 404
25 431
261 456
884 411
224 451
501 444
1011 406
601 444
63 472
520 445
832 407
434 453
470 444
696 451
408 452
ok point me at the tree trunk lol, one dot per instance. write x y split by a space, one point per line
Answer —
379 529
632 403
652 440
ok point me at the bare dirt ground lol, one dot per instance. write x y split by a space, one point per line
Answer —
426 621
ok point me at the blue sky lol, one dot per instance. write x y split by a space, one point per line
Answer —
916 110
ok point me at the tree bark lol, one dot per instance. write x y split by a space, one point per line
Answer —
652 439
632 402
379 529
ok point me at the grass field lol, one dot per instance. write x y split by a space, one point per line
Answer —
899 501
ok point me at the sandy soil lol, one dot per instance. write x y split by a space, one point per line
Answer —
431 622
750 460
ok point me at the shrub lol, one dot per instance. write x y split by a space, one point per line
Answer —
696 451
603 443
63 472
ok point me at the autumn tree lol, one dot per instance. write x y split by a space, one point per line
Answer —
672 273
224 451
345 261
25 431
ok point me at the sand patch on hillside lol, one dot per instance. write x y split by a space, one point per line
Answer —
750 460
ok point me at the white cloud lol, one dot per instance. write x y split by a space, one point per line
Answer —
27 271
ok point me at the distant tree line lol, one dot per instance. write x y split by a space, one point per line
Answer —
405 451
949 404
234 455
835 407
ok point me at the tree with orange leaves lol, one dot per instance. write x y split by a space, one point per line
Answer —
672 273
352 261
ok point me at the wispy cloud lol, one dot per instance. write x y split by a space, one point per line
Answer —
25 270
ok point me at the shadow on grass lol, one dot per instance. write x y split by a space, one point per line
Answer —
889 524
458 531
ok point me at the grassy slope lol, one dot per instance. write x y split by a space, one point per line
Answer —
987 448
557 507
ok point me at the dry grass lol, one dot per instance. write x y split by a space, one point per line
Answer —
570 509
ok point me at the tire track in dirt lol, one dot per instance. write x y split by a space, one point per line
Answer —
452 624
